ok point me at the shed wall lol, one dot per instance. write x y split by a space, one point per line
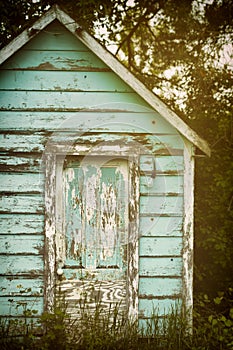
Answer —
55 87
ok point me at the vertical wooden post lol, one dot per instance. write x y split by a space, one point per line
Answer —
50 229
188 231
133 268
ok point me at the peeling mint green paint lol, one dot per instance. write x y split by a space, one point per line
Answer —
96 225
56 92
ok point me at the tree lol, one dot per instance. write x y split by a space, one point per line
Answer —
181 50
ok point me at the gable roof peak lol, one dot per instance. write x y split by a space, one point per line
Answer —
55 12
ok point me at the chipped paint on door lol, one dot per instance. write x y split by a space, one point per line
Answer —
95 230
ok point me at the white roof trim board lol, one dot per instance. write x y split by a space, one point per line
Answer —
56 13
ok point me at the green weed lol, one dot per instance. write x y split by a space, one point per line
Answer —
110 330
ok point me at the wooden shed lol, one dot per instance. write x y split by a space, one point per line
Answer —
97 179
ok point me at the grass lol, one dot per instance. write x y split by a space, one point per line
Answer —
112 331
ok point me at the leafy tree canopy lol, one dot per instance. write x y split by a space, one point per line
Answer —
183 51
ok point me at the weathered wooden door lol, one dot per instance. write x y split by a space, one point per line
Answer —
93 265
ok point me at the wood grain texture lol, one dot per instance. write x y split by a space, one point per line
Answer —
88 296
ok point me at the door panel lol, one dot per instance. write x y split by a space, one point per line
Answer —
95 230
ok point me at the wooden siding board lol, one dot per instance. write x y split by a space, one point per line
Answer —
16 306
160 266
140 122
157 307
158 287
21 244
21 224
23 265
25 203
61 81
69 101
18 286
36 143
160 246
161 205
161 226
28 163
21 182
161 184
55 60
22 143
169 164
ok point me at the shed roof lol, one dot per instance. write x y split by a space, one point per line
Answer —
56 13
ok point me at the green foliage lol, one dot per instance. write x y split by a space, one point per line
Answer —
213 329
213 321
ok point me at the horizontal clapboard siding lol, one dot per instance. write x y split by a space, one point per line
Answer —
55 91
56 60
21 182
21 285
22 224
71 101
21 245
37 142
21 203
19 306
156 226
28 163
25 265
140 122
61 81
161 239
